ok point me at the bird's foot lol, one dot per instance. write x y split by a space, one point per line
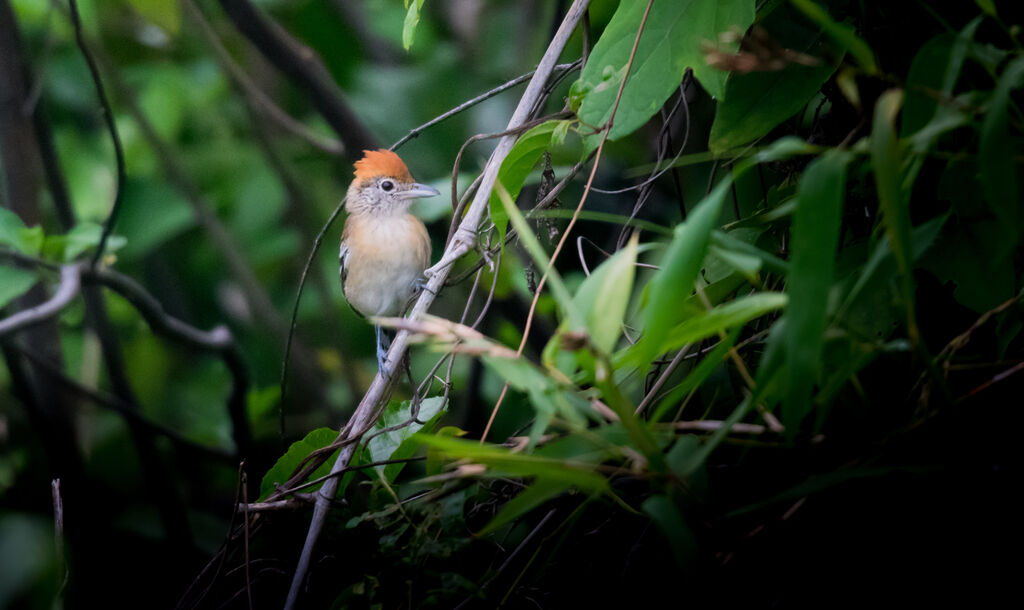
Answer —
420 284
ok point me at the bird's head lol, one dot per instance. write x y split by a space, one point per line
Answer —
383 185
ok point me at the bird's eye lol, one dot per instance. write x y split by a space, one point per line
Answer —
387 186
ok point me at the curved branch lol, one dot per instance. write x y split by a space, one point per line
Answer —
302 66
70 282
363 417
108 118
260 101
416 131
219 340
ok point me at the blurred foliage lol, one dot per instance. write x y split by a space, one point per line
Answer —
789 353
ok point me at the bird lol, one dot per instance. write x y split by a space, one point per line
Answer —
384 248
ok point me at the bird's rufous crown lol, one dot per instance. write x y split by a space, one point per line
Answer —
381 163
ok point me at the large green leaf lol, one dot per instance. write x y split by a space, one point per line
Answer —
669 519
530 498
674 282
841 32
887 162
997 155
287 463
14 233
603 297
815 239
936 67
540 258
505 462
14 282
671 43
516 167
755 103
723 317
398 444
697 376
412 19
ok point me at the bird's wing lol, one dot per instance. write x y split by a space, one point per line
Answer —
343 257
343 262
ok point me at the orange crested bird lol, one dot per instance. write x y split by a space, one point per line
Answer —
384 248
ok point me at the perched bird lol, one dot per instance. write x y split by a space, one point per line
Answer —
384 248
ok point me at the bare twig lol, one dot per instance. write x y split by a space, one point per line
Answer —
707 425
302 66
606 129
416 131
58 536
219 340
108 117
70 282
363 416
649 397
264 105
130 412
295 502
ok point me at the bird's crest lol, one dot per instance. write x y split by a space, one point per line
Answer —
381 163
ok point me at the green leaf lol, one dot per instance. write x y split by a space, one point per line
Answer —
10 228
14 233
517 166
540 258
671 43
732 314
152 213
886 161
547 396
165 14
669 519
412 19
757 102
15 282
936 67
997 152
28 559
530 498
842 33
287 463
603 297
399 444
696 377
680 266
520 464
81 237
745 264
987 6
815 240
725 243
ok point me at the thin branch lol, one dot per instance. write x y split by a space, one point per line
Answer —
263 104
363 416
416 131
303 67
707 425
70 282
129 412
219 236
58 538
649 397
606 129
219 340
108 118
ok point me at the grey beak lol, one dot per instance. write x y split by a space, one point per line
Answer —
419 190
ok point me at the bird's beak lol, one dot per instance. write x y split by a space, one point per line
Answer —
419 190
